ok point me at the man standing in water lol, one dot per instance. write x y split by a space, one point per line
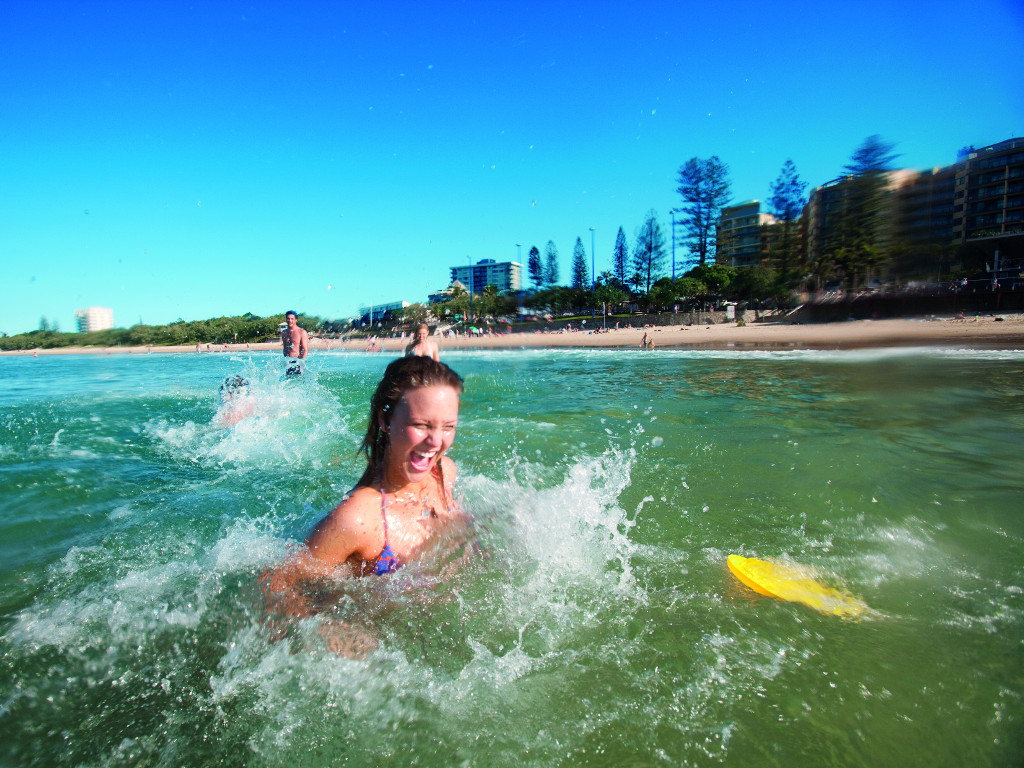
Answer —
296 344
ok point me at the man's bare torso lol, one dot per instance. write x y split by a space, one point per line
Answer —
294 341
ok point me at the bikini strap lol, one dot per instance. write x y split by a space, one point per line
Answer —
445 496
384 513
387 562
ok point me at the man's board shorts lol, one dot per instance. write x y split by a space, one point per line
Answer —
293 367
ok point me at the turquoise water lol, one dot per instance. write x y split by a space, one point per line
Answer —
601 627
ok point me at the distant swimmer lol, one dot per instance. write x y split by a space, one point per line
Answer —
422 346
296 344
235 401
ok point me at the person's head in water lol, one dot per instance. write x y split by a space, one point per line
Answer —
401 376
233 386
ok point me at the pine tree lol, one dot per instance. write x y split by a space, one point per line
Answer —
649 251
704 186
620 258
535 267
551 266
787 201
874 156
856 244
580 273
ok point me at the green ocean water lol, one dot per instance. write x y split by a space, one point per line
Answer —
600 626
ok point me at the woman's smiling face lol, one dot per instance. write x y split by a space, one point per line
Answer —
421 430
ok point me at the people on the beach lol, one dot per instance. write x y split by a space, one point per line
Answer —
422 346
402 502
295 342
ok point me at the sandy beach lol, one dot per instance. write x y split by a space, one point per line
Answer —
984 332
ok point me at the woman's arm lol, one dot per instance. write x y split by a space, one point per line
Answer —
290 589
353 532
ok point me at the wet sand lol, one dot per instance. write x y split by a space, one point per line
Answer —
986 332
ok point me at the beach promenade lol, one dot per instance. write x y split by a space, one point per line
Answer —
983 332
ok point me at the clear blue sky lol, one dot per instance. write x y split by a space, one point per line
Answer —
214 158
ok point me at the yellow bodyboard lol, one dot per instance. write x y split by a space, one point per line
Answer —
789 582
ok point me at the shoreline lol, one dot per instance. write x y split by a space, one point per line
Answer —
987 332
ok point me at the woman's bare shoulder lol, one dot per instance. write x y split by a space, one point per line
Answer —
448 469
360 496
360 507
354 527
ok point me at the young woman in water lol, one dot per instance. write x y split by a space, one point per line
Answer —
421 345
402 502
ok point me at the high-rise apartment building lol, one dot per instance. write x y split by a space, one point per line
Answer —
505 275
924 207
922 225
835 213
927 224
94 319
741 234
989 199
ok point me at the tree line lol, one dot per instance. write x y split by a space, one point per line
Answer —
637 278
637 275
857 247
242 329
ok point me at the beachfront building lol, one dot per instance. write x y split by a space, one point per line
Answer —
438 297
506 276
837 211
374 313
741 234
989 206
928 225
94 319
924 207
990 192
821 214
922 224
